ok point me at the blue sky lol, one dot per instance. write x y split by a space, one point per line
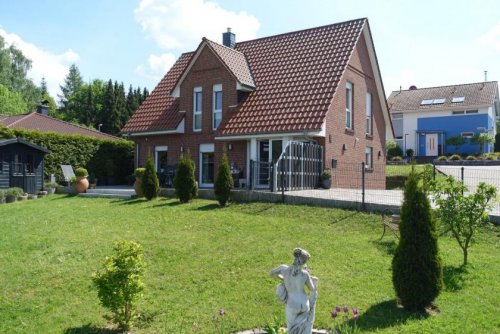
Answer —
423 43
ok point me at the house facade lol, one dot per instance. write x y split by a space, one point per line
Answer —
316 90
425 119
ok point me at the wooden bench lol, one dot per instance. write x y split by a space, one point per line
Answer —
390 221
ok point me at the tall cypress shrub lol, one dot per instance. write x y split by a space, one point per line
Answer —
416 267
150 184
184 181
223 181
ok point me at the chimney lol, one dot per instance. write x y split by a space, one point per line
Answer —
413 87
43 108
228 39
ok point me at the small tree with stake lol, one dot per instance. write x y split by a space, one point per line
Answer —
150 184
416 267
223 181
461 213
184 181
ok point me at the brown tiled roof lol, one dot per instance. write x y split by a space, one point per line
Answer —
295 74
160 111
235 61
475 94
42 123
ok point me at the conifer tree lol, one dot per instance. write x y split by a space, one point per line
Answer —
223 181
184 180
150 185
416 267
68 100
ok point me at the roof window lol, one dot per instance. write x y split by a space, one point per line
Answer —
426 102
439 101
458 99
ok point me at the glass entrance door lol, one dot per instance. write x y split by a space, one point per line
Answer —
269 152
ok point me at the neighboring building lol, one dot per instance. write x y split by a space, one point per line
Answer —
40 121
21 165
316 90
423 119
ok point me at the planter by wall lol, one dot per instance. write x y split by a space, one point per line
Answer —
81 184
138 187
10 199
326 184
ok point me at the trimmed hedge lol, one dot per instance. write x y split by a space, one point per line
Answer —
111 161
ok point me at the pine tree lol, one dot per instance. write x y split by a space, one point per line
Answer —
223 181
68 100
43 86
416 267
184 180
109 106
150 184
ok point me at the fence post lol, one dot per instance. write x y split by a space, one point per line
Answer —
433 171
462 176
282 180
251 174
363 206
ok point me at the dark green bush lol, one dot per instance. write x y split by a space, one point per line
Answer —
14 192
119 284
101 157
223 182
80 171
150 185
409 152
394 152
184 180
139 172
416 267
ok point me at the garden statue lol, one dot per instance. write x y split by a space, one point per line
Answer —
300 307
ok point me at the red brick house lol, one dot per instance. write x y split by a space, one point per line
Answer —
319 89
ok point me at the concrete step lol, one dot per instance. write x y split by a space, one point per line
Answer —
129 192
106 195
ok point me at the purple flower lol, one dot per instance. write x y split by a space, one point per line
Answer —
337 309
354 310
334 314
222 312
346 309
356 316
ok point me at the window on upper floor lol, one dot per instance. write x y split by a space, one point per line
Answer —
217 106
348 105
369 117
197 108
472 111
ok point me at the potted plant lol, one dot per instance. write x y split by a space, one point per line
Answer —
139 173
50 187
81 184
11 195
2 196
92 181
326 179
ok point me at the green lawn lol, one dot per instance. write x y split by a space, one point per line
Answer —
202 258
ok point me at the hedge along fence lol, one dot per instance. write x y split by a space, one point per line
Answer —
111 161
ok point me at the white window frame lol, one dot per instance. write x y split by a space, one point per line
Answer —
197 109
369 115
349 105
216 112
369 157
158 150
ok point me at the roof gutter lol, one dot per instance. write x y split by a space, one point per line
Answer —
318 133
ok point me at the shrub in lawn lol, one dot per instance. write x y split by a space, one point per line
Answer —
223 182
394 151
184 180
150 185
416 267
455 157
119 284
410 152
461 213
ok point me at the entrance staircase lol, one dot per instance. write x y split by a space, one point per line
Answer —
123 193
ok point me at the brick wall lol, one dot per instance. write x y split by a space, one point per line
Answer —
359 72
205 72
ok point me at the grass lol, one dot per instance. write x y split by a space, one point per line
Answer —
402 170
202 258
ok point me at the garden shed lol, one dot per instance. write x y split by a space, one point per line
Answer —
21 165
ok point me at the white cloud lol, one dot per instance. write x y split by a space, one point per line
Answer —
491 38
54 67
180 24
157 66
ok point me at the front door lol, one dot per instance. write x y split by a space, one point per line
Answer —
431 144
206 163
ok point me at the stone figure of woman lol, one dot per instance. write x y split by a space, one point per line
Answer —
300 307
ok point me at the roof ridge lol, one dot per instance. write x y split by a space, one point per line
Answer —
77 125
20 119
301 30
466 84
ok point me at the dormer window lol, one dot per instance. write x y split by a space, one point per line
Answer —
217 106
197 101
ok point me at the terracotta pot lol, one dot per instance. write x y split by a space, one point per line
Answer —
81 184
138 187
